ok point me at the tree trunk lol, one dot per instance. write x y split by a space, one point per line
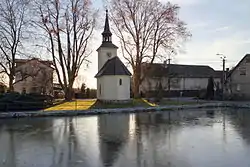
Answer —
11 81
136 86
69 94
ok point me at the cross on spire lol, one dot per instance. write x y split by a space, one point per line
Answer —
106 35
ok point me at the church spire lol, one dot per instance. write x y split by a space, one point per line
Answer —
106 35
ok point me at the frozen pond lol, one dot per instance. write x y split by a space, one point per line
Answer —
205 138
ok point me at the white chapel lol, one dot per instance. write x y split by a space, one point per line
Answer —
113 77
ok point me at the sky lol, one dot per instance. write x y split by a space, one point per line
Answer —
217 26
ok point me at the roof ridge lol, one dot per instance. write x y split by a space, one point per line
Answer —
183 70
237 65
44 62
113 57
194 65
114 66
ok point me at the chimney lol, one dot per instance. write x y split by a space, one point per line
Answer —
165 64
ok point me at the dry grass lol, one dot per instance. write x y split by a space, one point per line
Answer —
74 105
94 104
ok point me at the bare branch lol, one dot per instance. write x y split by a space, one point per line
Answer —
69 28
145 28
13 22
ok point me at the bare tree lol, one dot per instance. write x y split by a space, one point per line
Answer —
12 27
68 25
146 28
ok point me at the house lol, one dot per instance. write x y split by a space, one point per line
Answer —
34 76
238 79
113 77
3 87
176 78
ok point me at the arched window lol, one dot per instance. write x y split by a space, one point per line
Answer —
120 81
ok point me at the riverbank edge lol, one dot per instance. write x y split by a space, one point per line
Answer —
63 113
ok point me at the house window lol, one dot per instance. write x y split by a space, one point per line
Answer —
100 89
18 76
34 89
24 91
43 90
238 87
242 71
120 81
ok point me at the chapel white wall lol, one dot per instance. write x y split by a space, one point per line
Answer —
111 89
102 55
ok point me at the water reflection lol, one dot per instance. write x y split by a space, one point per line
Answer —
66 148
113 134
241 122
174 138
21 139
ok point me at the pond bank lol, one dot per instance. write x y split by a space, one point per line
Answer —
62 113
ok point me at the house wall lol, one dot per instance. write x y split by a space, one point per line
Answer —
108 87
177 83
239 83
102 55
152 83
196 83
42 78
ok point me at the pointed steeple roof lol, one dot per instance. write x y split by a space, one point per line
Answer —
106 35
107 31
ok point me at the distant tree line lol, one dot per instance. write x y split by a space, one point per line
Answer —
86 93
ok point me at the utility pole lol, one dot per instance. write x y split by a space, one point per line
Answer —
223 73
223 57
169 62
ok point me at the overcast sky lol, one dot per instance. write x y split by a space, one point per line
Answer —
217 26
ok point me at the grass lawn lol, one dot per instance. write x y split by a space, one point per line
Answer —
134 103
176 102
73 105
94 104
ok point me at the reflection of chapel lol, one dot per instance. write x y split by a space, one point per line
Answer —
113 77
